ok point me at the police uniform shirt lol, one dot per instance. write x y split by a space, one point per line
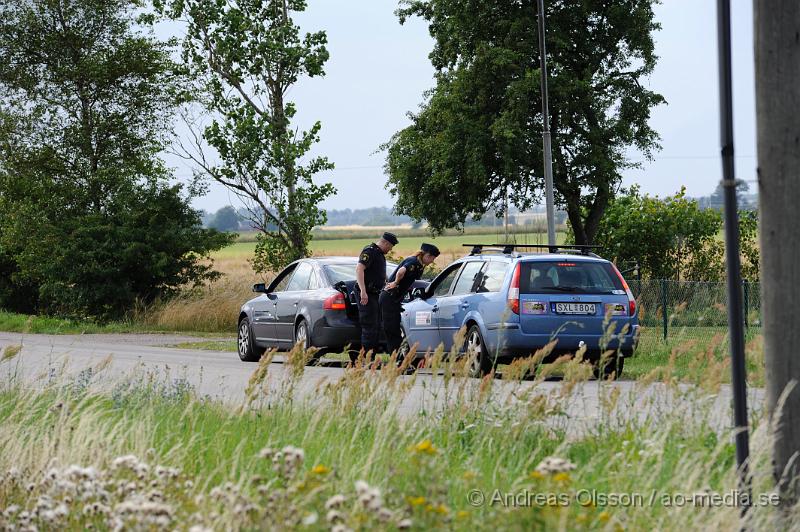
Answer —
374 262
413 272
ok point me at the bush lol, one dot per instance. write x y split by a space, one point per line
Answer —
672 238
146 244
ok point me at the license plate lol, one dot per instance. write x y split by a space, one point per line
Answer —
575 308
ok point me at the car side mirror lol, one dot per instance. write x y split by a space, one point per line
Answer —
260 288
418 293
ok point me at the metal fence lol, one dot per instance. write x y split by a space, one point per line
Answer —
691 308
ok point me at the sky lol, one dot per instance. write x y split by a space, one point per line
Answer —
378 71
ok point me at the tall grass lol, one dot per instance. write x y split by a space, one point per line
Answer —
344 454
213 307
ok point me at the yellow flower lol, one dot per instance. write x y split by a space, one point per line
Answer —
561 477
320 469
582 518
442 509
424 447
469 475
415 501
428 507
536 475
462 514
604 517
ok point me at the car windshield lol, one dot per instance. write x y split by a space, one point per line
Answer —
346 271
567 276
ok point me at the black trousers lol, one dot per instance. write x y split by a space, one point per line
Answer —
369 318
390 314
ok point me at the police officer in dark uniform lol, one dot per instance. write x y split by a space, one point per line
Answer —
370 280
399 284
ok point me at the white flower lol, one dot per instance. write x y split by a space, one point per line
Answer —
334 516
553 464
340 528
130 461
361 487
334 502
310 519
405 524
266 453
200 528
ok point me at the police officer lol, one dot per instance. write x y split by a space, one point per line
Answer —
399 284
370 280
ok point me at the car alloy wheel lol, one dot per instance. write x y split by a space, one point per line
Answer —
244 343
475 352
301 334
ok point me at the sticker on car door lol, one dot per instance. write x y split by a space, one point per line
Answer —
423 318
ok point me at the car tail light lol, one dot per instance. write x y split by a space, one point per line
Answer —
335 302
513 292
631 300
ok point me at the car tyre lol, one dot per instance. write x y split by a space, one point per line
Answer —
246 346
303 334
480 364
610 368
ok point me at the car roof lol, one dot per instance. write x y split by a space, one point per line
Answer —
533 257
337 260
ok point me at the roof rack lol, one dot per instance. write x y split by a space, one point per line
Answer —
477 249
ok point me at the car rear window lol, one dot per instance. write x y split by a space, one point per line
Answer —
346 271
567 276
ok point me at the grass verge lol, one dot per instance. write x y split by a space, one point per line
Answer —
152 455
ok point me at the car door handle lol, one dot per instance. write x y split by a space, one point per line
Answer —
295 303
465 305
435 308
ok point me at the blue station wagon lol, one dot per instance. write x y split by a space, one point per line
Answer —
511 304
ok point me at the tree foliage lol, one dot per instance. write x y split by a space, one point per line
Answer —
477 134
225 219
672 238
89 223
247 55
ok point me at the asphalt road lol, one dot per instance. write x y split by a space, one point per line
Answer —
222 376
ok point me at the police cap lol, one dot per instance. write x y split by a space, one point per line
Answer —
430 248
389 237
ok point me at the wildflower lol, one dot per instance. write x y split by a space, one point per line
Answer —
340 528
462 514
320 469
424 447
361 487
404 524
334 516
469 475
200 528
604 517
266 453
552 465
536 475
416 501
129 461
310 519
561 477
334 502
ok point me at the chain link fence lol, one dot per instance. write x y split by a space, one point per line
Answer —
691 309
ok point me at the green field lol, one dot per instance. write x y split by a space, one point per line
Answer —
451 245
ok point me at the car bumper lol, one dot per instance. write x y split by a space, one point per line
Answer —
336 330
508 341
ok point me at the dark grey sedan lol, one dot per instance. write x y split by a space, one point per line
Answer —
307 302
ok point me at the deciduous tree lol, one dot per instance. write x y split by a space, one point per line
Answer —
246 55
477 134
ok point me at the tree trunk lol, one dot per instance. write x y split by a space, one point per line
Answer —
777 73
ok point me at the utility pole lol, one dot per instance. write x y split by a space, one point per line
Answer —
732 259
548 156
777 73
